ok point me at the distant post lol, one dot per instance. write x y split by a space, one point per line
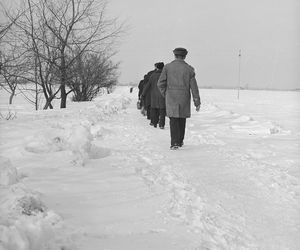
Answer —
239 76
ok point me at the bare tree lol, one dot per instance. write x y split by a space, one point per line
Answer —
16 66
41 48
93 73
12 62
54 34
6 24
11 72
76 26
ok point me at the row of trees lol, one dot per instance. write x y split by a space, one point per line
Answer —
52 48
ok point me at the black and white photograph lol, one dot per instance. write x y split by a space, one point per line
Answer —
149 125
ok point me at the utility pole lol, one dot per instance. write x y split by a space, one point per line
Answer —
239 77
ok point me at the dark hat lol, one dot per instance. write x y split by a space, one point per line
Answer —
180 51
160 65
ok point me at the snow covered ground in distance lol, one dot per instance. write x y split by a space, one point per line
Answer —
96 176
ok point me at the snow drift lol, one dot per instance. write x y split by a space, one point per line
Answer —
25 221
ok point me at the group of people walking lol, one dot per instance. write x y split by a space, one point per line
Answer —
152 101
166 91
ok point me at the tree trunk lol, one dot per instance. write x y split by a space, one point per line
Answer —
11 97
36 97
36 84
63 93
48 104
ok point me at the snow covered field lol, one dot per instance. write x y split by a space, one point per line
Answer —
96 176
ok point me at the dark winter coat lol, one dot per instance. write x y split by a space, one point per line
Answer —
140 86
157 100
147 95
176 83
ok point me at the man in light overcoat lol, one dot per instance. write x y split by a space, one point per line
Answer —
176 83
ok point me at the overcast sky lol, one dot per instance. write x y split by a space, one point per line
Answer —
213 31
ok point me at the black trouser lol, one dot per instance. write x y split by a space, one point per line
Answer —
177 129
158 116
149 112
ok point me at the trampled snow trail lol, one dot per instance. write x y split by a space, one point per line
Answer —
116 185
213 227
221 215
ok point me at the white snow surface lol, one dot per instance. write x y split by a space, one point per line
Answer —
96 176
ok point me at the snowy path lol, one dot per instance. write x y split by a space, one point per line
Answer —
226 198
234 185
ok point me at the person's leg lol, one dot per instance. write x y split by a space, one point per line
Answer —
174 131
154 116
151 115
182 123
143 107
162 118
148 112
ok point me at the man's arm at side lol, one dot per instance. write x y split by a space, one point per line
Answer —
195 90
162 82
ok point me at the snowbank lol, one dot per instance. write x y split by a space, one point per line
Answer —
243 123
8 174
258 128
31 233
25 221
80 143
75 128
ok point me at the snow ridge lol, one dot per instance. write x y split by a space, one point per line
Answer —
25 222
244 123
75 134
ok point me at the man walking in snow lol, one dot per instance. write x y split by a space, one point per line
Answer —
140 103
158 104
176 83
147 97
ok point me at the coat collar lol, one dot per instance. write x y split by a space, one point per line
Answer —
179 60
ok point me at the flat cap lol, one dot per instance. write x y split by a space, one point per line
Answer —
180 51
160 65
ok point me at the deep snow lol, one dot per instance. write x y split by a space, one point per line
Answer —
97 176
